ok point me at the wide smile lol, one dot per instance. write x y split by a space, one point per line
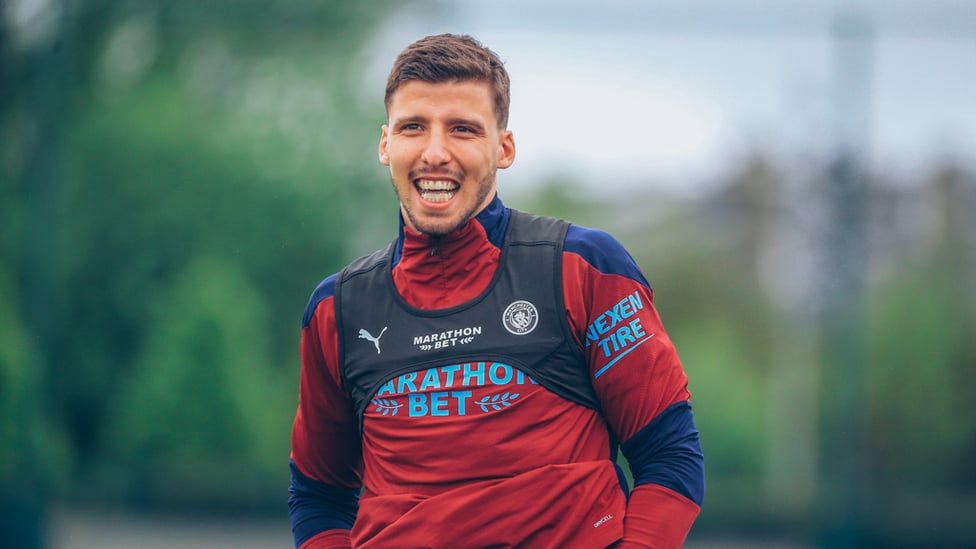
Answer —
436 190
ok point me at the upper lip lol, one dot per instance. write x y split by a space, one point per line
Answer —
428 174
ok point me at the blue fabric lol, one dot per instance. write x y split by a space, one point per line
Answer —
668 452
325 290
316 507
494 218
603 252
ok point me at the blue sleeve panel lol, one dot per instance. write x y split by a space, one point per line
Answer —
316 507
668 452
603 252
325 290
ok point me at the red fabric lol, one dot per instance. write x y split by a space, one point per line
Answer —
552 473
460 268
657 518
325 435
551 506
646 381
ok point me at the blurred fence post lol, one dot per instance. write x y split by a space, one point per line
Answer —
842 497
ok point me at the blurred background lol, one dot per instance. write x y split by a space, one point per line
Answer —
797 179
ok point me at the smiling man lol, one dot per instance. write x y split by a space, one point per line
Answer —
514 355
443 146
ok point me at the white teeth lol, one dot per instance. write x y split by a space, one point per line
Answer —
436 197
436 185
436 190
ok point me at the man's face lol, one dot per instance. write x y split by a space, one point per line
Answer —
443 146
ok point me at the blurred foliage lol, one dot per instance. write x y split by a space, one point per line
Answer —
746 330
175 179
921 401
25 429
204 405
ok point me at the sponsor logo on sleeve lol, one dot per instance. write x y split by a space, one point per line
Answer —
618 331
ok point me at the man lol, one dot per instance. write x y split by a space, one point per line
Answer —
468 385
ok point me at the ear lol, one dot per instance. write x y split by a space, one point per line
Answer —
506 149
384 147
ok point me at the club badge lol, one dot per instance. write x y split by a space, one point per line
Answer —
520 318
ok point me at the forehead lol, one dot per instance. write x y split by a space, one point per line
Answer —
469 98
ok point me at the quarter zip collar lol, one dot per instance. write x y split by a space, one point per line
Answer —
437 273
493 221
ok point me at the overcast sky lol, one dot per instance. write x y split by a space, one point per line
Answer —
670 93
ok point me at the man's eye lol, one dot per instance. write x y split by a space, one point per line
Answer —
411 127
463 129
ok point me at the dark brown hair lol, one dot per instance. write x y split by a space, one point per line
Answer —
449 58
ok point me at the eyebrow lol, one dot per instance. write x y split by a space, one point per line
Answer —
456 121
465 122
408 120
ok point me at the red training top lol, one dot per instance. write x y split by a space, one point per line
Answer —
539 472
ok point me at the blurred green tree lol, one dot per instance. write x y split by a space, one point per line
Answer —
209 155
202 419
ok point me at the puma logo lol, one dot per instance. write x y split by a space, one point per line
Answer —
363 334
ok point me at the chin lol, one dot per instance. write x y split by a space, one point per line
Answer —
436 230
437 227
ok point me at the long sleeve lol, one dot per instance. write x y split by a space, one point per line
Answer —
418 472
641 384
326 452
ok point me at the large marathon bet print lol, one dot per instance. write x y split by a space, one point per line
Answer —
450 390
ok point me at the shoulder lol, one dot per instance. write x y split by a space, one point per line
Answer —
529 228
325 290
602 252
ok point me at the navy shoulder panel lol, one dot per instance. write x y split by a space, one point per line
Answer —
325 290
494 218
604 252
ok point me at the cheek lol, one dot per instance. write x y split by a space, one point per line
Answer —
395 159
483 159
402 154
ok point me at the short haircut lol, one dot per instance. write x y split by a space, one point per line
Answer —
452 58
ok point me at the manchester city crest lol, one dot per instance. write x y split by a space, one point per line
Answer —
520 318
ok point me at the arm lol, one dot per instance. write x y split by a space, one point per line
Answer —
321 515
641 384
326 450
668 468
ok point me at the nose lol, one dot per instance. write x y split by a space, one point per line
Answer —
435 151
